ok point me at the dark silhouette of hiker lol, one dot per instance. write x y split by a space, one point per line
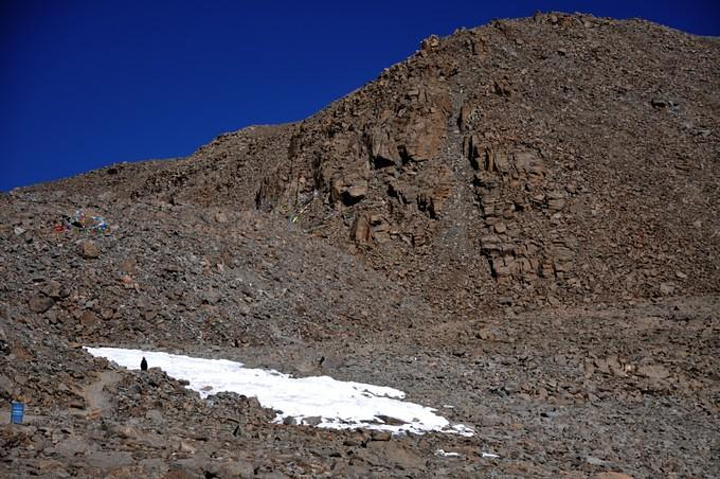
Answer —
143 364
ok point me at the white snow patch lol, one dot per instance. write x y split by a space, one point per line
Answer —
490 455
339 404
442 453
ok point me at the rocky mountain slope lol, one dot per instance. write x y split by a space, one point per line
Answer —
561 156
520 220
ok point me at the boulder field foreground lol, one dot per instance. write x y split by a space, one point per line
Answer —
519 226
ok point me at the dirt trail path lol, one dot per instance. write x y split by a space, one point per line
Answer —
97 400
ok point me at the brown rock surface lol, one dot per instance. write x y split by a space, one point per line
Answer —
89 250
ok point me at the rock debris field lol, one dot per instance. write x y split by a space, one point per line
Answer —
511 238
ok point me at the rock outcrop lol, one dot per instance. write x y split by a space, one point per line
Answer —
566 151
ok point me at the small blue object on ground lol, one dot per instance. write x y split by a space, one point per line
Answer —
18 411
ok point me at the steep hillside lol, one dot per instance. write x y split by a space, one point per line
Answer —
556 157
561 155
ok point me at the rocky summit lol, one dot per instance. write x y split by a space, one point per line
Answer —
518 226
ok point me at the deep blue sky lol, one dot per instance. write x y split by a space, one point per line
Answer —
86 83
